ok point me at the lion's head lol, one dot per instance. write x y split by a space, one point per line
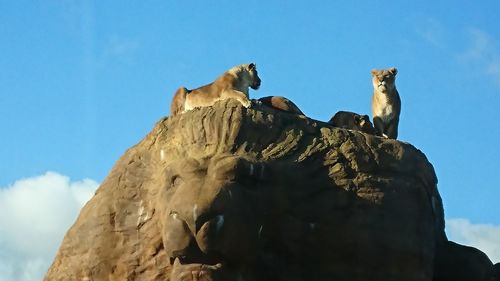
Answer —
247 75
214 214
384 79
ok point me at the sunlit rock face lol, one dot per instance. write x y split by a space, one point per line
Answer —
229 193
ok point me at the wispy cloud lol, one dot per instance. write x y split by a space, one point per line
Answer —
481 45
480 51
36 213
483 52
485 237
119 46
119 49
432 31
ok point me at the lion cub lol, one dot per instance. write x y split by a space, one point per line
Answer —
386 104
233 83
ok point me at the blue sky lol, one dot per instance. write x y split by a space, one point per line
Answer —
82 81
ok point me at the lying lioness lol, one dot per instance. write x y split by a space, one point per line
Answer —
232 84
352 121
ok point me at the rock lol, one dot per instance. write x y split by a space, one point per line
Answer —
455 262
228 193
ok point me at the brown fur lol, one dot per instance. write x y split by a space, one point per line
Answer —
281 103
352 121
386 103
233 83
177 105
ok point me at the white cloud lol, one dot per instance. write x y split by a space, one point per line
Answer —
36 213
485 237
483 53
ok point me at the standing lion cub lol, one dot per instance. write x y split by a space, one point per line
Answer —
233 83
386 104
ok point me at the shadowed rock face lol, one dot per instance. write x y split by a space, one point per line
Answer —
228 193
461 263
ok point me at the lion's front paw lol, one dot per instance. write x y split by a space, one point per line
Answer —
247 104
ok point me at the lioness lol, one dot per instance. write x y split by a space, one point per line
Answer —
386 104
233 83
281 103
352 121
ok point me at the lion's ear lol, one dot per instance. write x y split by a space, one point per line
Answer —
374 72
393 71
251 66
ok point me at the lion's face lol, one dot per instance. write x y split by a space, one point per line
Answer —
384 79
364 124
214 214
252 76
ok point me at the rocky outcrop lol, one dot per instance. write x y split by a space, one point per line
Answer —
461 263
228 193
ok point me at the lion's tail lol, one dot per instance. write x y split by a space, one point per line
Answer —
177 105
